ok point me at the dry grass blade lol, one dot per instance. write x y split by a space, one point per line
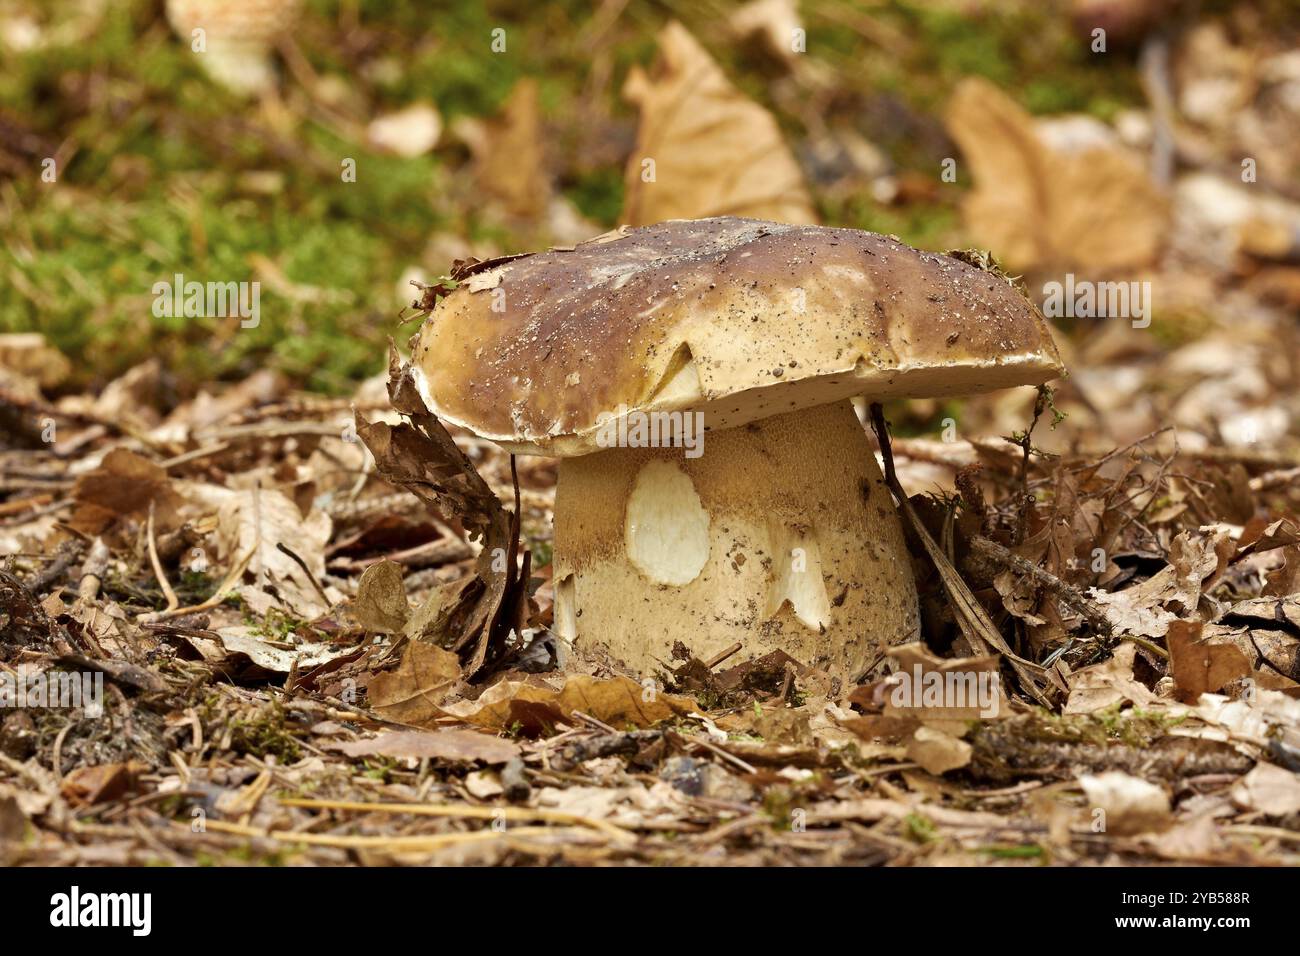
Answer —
219 595
173 602
466 812
397 844
973 620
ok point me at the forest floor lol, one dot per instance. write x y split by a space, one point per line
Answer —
289 658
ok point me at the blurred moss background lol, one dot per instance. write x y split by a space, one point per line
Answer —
162 171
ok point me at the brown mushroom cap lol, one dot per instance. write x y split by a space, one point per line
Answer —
738 318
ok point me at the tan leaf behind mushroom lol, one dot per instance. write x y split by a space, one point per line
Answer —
509 161
715 152
1036 207
238 36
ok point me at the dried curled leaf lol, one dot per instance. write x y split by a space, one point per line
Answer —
1108 684
937 752
450 744
1131 805
421 457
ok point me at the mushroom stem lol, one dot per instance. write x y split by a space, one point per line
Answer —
781 535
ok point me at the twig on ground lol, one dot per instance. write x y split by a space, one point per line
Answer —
320 591
1068 593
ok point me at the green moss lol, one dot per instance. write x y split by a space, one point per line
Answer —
1056 73
1018 852
172 174
598 194
920 829
925 225
265 732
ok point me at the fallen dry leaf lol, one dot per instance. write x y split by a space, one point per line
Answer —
380 604
410 694
1036 207
1131 805
509 158
1268 789
89 785
1200 666
124 484
1107 684
947 690
445 744
618 701
251 523
30 356
242 653
483 784
1146 610
937 752
409 132
421 457
711 151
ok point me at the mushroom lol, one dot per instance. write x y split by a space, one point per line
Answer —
695 378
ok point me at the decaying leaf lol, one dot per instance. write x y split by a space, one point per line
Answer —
89 785
421 457
1268 789
241 653
1108 684
1256 721
939 691
380 604
124 484
1131 805
618 701
1147 610
1036 207
29 356
1264 630
509 159
445 744
410 694
252 524
879 727
409 132
704 149
1199 665
938 752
